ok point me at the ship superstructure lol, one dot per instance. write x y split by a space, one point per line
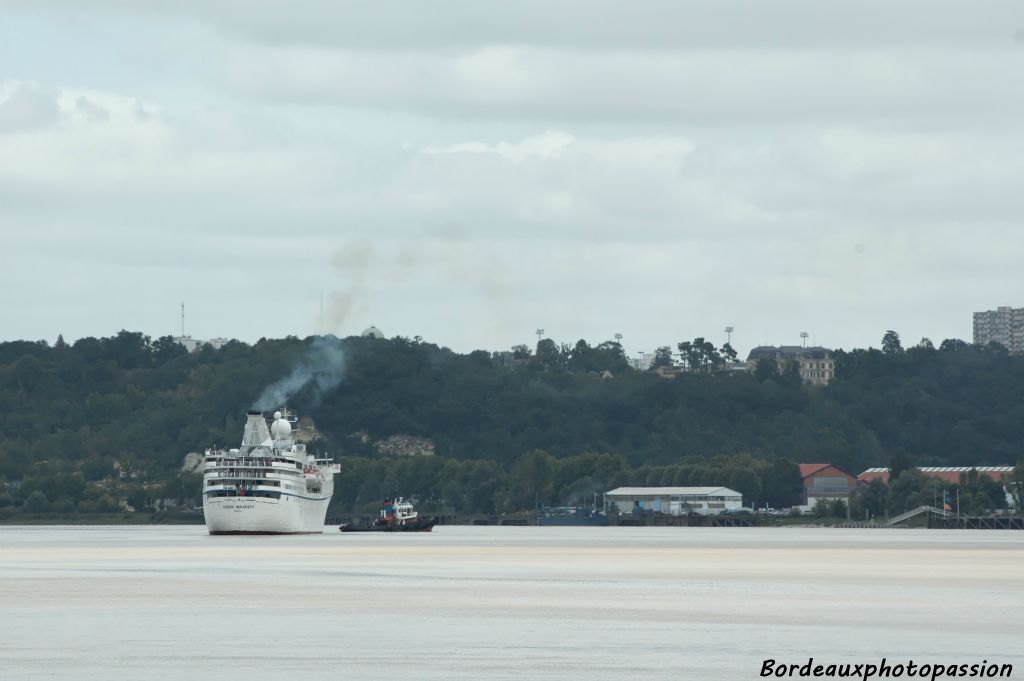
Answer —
269 485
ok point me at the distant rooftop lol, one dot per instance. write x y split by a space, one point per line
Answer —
950 474
951 469
790 351
673 491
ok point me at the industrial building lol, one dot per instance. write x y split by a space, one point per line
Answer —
825 482
948 474
673 500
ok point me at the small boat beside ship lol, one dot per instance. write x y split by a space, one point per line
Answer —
396 515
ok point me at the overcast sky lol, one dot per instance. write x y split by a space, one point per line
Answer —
471 171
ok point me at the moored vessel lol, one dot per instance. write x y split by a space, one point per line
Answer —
572 516
396 515
269 485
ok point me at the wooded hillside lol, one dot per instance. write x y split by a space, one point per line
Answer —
100 407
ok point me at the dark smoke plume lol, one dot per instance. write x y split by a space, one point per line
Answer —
321 367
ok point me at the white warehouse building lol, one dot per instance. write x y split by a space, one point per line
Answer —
673 500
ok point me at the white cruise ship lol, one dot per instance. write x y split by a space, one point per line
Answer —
269 485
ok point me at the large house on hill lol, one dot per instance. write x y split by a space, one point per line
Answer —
815 364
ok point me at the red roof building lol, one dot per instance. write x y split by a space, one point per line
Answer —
948 474
825 481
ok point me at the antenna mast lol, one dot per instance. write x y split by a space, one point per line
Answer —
183 318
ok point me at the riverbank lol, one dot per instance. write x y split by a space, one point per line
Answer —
196 518
157 518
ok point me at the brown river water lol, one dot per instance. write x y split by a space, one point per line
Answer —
112 603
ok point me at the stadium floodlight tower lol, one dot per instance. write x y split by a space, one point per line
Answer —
618 338
803 336
728 334
540 334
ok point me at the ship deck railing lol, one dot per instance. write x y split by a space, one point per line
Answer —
253 463
235 482
255 471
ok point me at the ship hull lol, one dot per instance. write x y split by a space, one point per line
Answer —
261 515
421 525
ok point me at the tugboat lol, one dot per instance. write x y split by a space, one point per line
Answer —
396 515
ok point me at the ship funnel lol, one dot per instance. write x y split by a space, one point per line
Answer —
256 432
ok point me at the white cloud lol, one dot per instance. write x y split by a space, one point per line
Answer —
26 106
91 111
577 24
660 172
709 87
549 144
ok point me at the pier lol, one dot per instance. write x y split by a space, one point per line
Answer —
976 523
690 520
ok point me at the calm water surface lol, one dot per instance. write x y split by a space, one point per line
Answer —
115 603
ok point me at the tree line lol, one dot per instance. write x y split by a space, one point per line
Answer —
537 479
119 413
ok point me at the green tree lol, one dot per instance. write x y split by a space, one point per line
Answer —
899 463
728 353
521 351
532 478
662 357
548 354
908 491
37 502
107 504
997 348
765 369
982 493
130 349
701 355
1015 484
993 494
952 345
868 501
783 486
580 358
165 349
63 505
609 356
712 359
891 343
139 499
748 482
